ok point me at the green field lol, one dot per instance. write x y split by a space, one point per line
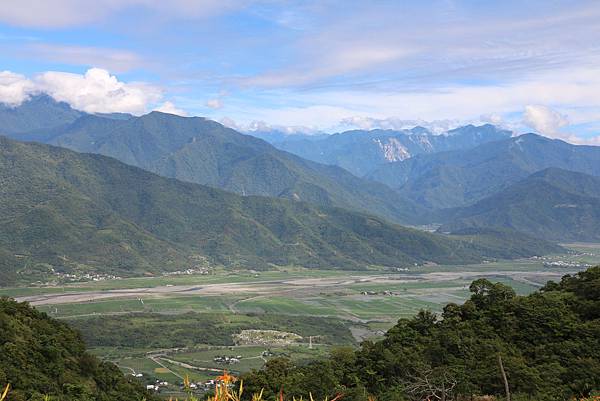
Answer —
152 325
166 369
161 304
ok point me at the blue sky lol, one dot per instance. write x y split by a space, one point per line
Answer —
314 65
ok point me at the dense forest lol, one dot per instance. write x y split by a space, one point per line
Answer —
548 344
42 356
78 213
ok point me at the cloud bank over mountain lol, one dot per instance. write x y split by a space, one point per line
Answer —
327 65
96 91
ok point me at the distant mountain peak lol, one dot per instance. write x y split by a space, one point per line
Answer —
362 152
420 130
461 177
39 112
203 151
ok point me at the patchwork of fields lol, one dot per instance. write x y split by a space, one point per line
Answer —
167 327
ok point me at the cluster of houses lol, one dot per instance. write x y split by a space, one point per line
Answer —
156 386
187 272
198 386
60 277
566 264
204 386
227 360
386 293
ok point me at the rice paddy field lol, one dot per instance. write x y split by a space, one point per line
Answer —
167 327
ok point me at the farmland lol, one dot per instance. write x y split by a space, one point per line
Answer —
167 327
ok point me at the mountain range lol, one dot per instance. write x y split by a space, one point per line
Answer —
554 204
69 211
38 113
475 181
205 152
362 152
462 177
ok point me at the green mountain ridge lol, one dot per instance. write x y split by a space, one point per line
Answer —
87 212
552 204
205 152
460 178
37 113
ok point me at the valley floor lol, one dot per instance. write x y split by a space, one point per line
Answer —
361 304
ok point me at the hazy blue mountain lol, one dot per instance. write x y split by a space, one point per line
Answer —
205 152
86 212
460 178
553 204
275 136
38 113
361 152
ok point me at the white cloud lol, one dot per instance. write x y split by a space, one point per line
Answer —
433 44
549 122
98 92
64 13
230 123
214 103
14 88
573 91
262 126
492 118
111 59
394 123
545 120
328 62
169 107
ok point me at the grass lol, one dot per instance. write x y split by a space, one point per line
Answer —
151 304
285 305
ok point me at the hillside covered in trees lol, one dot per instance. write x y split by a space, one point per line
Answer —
42 356
71 212
548 342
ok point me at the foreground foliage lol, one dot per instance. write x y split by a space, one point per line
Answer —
549 343
40 357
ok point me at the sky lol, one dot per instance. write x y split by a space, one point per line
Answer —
314 66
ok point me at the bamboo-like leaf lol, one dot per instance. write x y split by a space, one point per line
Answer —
5 392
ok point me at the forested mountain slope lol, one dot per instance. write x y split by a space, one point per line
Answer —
205 152
554 204
86 212
460 178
